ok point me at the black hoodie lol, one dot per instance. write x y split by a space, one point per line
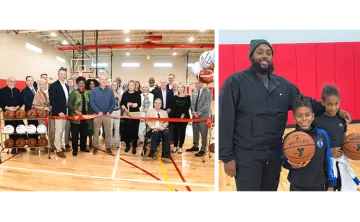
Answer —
319 171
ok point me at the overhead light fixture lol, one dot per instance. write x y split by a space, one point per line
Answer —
174 54
130 64
60 59
126 30
100 64
163 64
53 34
191 39
190 65
33 48
128 53
64 42
148 56
127 39
202 30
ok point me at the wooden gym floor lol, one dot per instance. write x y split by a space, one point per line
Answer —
227 183
33 171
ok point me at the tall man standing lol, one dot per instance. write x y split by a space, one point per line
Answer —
253 110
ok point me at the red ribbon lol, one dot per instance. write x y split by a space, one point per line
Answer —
88 117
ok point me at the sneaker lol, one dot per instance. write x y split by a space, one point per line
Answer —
174 149
180 150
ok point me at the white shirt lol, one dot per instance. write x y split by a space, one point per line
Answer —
170 86
151 88
164 97
65 91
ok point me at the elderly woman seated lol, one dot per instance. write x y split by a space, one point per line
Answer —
158 130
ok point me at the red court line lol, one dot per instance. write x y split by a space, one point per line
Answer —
179 172
148 173
11 157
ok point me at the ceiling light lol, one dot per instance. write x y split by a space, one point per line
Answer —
148 56
64 42
162 64
190 65
202 30
53 34
130 64
127 39
127 53
33 48
174 54
191 39
62 60
126 30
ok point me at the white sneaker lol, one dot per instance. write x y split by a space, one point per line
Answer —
174 149
180 150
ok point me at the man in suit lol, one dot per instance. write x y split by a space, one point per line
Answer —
201 108
158 130
171 78
59 94
27 96
167 98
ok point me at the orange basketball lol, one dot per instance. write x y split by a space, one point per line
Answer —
351 146
20 142
32 113
42 113
9 143
31 142
299 147
43 142
20 114
9 114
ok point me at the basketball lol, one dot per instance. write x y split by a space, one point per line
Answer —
42 113
9 114
42 142
351 146
206 76
9 143
299 147
20 142
31 142
32 114
20 114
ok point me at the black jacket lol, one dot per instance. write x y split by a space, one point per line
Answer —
10 97
27 97
252 116
57 98
319 171
169 98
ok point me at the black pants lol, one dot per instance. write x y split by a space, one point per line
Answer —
179 131
131 132
155 140
75 130
258 170
298 188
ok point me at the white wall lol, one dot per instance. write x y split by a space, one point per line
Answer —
288 36
147 69
20 62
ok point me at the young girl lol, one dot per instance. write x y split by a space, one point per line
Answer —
346 179
315 174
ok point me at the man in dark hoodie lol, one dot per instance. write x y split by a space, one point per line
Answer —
253 110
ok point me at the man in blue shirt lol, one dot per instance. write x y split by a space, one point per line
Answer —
102 102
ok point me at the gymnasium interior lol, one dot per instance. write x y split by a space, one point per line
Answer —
126 54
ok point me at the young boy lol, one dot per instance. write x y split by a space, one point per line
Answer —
316 174
346 179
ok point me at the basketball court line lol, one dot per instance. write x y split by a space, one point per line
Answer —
164 172
116 162
179 172
10 157
107 178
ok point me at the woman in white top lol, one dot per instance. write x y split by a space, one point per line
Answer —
115 122
147 102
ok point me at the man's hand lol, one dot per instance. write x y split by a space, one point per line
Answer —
62 115
78 113
128 105
196 114
168 110
345 116
330 189
336 152
47 108
108 114
299 165
230 168
100 114
182 116
155 129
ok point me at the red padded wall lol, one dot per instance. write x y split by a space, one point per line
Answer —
309 66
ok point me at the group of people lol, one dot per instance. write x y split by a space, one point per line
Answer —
78 96
253 111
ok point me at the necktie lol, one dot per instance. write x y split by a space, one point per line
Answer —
33 91
197 100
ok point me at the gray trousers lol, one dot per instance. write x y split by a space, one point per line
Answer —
200 128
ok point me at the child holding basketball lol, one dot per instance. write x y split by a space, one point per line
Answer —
336 127
315 174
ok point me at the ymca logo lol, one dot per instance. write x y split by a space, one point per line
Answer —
341 125
320 143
